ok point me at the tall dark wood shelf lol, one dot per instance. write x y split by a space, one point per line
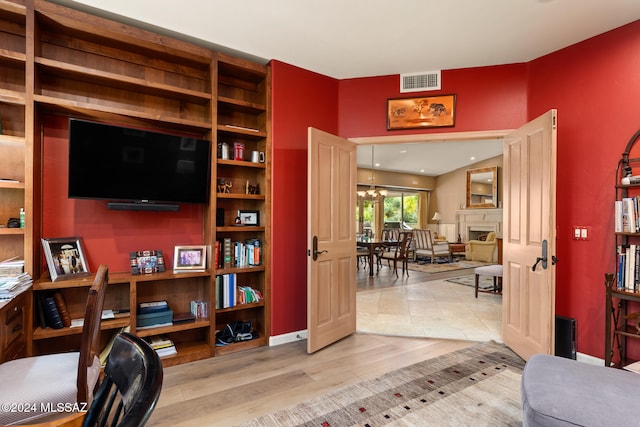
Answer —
55 59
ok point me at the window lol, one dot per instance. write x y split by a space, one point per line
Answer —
401 209
365 215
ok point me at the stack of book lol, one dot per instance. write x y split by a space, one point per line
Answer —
229 254
626 216
229 293
226 289
154 314
248 295
13 279
162 345
628 259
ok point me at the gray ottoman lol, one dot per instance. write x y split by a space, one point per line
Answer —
563 392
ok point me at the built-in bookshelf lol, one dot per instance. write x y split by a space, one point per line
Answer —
242 195
62 61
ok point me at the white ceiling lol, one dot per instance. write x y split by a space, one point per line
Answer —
427 158
362 38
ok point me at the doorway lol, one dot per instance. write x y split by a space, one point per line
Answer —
490 304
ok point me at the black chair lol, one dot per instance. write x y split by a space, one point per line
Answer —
131 386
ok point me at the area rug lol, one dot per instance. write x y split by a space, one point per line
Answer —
479 386
484 282
440 268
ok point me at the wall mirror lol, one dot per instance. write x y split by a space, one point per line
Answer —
482 187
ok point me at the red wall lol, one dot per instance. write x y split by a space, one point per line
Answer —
595 85
300 99
486 98
107 236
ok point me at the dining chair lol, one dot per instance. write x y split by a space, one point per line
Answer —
362 255
131 386
399 252
51 380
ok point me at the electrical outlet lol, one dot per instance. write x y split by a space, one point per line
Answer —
581 232
576 233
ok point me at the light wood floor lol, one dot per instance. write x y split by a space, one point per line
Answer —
226 390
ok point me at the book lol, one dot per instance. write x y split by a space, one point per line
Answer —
42 320
62 309
629 215
618 216
159 341
184 317
152 307
200 309
51 313
167 351
226 253
630 268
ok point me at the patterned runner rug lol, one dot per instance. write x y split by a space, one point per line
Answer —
478 386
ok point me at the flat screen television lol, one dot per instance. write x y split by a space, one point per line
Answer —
137 169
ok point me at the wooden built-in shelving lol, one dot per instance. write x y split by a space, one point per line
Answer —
54 59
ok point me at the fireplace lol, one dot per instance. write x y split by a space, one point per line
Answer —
473 223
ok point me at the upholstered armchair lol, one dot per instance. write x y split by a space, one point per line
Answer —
482 250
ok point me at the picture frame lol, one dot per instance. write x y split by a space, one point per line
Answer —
65 258
248 217
190 258
146 262
421 112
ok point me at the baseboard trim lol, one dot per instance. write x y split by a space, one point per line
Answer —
592 360
287 338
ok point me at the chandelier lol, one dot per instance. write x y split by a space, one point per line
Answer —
372 192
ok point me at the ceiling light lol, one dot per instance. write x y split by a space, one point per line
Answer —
372 192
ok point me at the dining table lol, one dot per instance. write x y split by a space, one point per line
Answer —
372 245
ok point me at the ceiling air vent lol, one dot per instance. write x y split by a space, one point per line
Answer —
417 82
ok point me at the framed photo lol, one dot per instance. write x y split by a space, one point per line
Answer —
189 259
423 112
249 217
65 258
146 262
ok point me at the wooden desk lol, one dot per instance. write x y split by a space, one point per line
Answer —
14 325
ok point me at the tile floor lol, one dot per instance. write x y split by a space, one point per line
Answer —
434 309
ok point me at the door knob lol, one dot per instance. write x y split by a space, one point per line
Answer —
315 248
542 258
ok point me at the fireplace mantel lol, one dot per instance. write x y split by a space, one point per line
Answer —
473 222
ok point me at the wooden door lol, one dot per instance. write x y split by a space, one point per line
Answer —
528 309
331 269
